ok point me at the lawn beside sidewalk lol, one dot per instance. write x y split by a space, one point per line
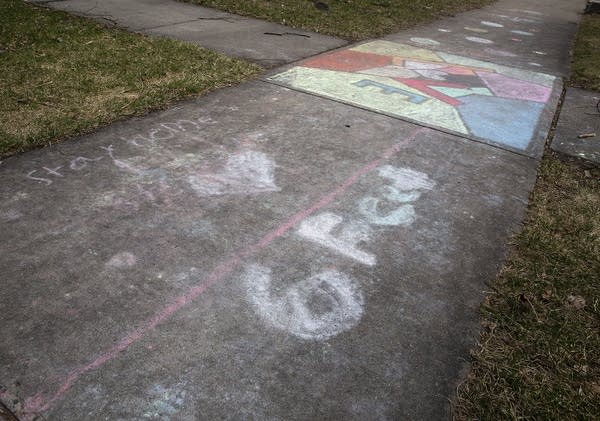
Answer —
537 357
586 63
354 20
62 75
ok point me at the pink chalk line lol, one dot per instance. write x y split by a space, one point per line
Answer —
40 403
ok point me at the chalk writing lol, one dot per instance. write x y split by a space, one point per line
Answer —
406 183
328 303
42 180
316 308
81 162
319 229
160 132
403 215
76 164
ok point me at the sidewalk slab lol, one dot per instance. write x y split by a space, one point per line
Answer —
535 35
579 116
504 106
259 41
256 253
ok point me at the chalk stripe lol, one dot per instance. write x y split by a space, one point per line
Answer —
39 403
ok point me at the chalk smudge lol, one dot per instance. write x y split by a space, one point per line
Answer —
122 260
479 40
425 41
478 30
244 173
167 402
492 24
500 53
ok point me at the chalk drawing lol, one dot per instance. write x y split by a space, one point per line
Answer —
244 173
492 24
500 53
478 30
530 12
479 40
122 260
525 33
167 402
387 89
320 229
424 86
44 400
425 41
316 308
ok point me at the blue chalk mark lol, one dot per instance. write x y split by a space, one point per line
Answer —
509 122
388 89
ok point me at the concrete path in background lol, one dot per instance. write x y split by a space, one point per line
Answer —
265 43
578 129
314 245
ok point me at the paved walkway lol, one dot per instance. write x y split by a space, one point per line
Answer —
314 245
259 41
578 128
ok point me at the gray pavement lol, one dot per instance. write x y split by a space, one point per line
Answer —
265 43
577 132
535 34
265 252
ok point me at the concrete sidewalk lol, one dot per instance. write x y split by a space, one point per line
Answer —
265 43
314 245
578 128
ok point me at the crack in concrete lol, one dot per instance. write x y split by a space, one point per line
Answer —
280 34
224 19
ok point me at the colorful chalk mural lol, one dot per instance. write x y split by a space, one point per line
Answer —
478 99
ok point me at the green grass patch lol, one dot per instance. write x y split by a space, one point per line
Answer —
586 55
350 19
62 75
538 352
